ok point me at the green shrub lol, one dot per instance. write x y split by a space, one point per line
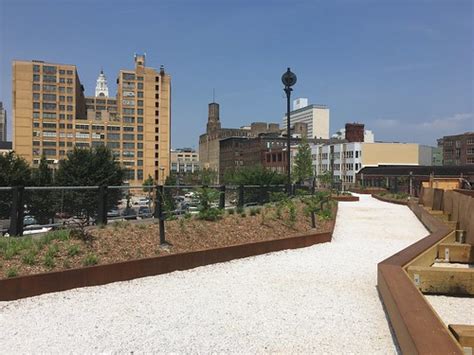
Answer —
325 214
243 214
187 215
231 211
12 272
211 214
49 261
90 259
29 258
254 211
73 250
239 209
292 213
53 250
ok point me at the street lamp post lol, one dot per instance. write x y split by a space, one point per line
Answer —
288 79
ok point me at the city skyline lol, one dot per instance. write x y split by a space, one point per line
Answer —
399 68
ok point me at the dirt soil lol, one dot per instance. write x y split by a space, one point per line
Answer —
121 241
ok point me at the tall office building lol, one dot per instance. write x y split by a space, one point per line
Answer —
3 123
51 115
316 117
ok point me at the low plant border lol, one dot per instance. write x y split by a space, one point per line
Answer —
345 198
390 200
417 327
37 284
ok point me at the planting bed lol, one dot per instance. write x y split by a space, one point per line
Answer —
123 241
303 300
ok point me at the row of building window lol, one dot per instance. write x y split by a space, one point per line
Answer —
51 69
52 88
53 97
51 79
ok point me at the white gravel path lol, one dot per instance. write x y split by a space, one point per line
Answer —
321 299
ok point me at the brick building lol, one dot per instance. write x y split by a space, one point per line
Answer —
458 149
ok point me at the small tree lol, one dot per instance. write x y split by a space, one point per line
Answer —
303 168
14 171
148 187
42 203
89 167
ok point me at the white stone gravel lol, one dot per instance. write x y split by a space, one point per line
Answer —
453 310
321 299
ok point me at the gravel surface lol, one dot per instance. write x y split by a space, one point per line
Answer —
317 299
453 310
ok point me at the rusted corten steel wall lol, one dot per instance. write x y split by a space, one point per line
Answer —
417 328
32 285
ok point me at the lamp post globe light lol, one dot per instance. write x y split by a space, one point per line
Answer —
288 79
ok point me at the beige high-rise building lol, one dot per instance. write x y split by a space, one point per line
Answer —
51 115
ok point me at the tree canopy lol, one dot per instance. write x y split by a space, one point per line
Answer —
89 167
303 167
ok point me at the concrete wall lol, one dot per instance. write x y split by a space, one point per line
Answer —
374 154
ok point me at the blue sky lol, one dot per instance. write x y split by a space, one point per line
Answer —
402 67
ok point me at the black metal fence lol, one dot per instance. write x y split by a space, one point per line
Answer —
28 210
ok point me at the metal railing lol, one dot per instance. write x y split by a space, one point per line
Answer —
34 209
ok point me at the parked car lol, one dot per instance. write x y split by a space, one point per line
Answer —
29 221
113 213
144 212
129 213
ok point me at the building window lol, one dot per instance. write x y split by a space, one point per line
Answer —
140 111
140 78
140 154
49 87
128 119
139 137
49 151
69 81
49 115
49 78
140 86
140 94
36 77
140 103
127 145
128 137
49 97
69 72
128 76
139 174
113 136
36 68
49 69
113 145
139 145
128 129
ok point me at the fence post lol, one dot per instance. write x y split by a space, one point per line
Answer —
102 205
159 212
17 211
222 197
240 203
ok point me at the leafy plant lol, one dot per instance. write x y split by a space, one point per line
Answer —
207 198
49 261
90 259
292 213
231 211
254 211
243 214
12 272
29 258
73 250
